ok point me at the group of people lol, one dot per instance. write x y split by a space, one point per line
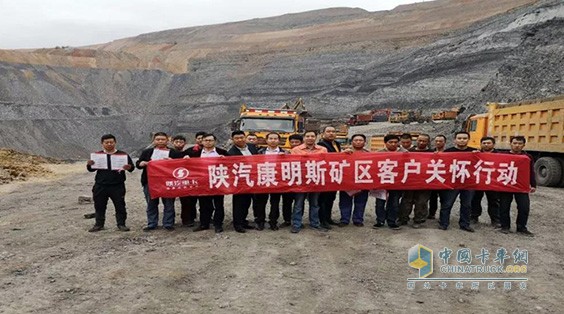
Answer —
393 207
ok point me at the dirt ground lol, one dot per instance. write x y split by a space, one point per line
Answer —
51 264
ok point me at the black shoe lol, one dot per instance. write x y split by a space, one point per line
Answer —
96 228
248 227
189 224
378 225
90 216
123 228
394 227
504 231
294 230
332 222
218 229
260 226
147 229
325 225
474 220
285 224
358 224
343 224
201 228
431 217
526 232
467 228
240 229
169 228
443 227
273 226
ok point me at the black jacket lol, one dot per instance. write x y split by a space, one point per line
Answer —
110 177
234 151
146 156
329 146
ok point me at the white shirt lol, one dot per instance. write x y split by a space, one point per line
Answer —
269 151
245 150
211 153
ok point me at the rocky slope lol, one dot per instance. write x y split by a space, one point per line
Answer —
434 54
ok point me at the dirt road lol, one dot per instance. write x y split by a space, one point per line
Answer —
49 263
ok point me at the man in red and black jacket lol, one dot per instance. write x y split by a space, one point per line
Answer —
109 184
522 199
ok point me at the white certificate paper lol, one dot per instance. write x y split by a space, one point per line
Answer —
159 154
118 161
100 161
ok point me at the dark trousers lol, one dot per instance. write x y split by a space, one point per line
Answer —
387 210
259 211
326 200
523 207
433 203
493 205
287 205
211 205
448 198
101 193
188 210
241 205
417 199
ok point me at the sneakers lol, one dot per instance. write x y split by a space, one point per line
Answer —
96 228
526 232
319 228
378 225
467 228
123 228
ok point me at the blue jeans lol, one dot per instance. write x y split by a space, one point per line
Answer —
298 212
448 198
153 210
346 206
388 210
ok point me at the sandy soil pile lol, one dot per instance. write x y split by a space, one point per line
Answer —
20 166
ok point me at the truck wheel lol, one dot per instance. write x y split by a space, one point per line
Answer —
562 176
548 171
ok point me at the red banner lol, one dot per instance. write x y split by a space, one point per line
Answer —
338 172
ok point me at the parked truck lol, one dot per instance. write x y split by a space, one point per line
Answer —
289 119
541 122
360 119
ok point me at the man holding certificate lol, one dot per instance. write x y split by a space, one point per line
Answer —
110 165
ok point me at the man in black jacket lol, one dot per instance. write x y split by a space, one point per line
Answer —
241 202
487 145
522 199
109 184
272 140
210 204
159 151
326 199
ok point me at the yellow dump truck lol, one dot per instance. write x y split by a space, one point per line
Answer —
541 122
288 120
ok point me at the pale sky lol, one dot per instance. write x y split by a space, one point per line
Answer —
50 23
